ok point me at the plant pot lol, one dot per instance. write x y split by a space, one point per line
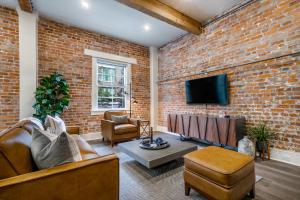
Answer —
260 146
264 149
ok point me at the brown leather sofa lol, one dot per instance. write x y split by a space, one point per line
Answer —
119 132
95 177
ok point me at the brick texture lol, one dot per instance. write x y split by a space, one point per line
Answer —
61 49
9 67
268 90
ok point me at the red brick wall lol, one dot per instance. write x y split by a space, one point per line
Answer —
61 48
9 67
265 91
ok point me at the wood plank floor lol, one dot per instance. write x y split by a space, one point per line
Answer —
280 181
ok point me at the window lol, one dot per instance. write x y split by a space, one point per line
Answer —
111 82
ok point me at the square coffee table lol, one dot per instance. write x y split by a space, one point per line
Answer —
154 158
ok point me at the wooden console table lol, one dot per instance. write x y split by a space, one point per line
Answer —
212 129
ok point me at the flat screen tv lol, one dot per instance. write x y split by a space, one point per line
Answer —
210 90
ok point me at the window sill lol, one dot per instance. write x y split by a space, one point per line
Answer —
101 111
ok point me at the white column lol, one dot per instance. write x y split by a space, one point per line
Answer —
153 87
28 61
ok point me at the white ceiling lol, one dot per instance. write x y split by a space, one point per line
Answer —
202 10
112 18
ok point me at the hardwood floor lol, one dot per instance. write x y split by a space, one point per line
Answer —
280 181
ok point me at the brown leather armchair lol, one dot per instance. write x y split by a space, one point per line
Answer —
86 179
119 132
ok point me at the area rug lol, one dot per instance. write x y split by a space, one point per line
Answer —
138 182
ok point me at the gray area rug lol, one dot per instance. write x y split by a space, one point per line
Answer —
138 182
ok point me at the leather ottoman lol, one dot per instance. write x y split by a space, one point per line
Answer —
218 173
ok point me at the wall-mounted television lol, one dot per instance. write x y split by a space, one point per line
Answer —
209 90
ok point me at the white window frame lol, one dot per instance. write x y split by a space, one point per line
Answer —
110 58
109 74
126 84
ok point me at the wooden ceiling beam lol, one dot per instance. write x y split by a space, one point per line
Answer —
26 5
165 13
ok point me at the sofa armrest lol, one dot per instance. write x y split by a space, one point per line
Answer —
107 128
135 122
89 179
73 130
108 122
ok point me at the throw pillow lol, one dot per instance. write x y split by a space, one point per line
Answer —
55 124
121 119
49 150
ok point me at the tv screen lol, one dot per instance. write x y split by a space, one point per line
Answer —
210 90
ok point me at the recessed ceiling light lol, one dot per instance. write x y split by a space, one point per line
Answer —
147 27
85 4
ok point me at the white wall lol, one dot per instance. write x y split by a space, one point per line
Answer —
28 61
153 87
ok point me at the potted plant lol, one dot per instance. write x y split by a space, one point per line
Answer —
52 96
262 135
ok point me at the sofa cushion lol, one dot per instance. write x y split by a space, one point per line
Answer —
86 150
49 150
108 114
124 128
121 119
55 124
219 165
15 155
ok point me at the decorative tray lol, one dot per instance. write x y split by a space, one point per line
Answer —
154 145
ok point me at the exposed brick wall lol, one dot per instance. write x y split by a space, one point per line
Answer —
9 67
61 48
265 91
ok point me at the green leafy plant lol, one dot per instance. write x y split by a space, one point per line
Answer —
52 96
261 133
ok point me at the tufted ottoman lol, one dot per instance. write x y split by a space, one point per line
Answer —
218 173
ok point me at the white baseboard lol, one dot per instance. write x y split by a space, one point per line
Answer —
92 137
285 156
162 129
